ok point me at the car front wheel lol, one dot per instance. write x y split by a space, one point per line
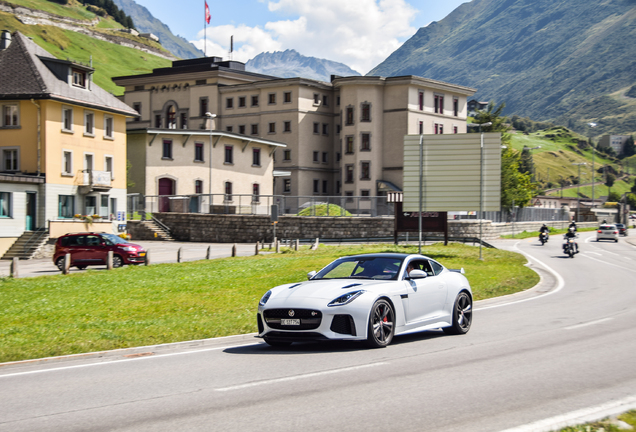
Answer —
381 324
117 261
462 315
60 263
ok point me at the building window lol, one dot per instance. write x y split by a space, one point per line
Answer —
349 118
324 187
365 170
242 129
287 185
203 106
198 152
10 116
10 161
455 107
439 104
88 164
421 127
455 130
171 118
439 128
316 186
316 156
158 120
338 187
167 149
67 162
271 99
198 186
89 123
324 157
338 156
67 119
255 129
365 112
229 154
287 126
229 128
349 145
365 193
287 97
316 99
287 155
272 128
241 102
255 100
348 173
420 100
325 100
184 121
108 127
338 129
325 129
108 166
256 193
338 100
137 107
66 206
316 128
228 191
256 157
229 103
365 142
5 204
79 78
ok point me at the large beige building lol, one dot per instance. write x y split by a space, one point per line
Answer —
343 137
62 141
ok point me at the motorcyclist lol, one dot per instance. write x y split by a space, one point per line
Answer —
571 234
546 230
573 225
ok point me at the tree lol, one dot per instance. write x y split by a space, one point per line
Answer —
628 148
613 197
631 200
516 186
634 187
526 164
609 182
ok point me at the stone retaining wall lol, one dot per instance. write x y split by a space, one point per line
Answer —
196 227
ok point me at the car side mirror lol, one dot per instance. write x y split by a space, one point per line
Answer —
311 274
417 274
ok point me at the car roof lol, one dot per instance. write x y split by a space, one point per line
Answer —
401 256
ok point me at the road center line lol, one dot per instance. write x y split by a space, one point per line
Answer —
588 323
609 263
297 377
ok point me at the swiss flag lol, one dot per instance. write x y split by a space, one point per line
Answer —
207 13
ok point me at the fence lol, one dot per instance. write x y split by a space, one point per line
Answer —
526 214
139 205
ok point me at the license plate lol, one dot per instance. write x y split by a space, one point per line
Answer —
290 322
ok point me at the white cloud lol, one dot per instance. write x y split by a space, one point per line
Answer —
358 33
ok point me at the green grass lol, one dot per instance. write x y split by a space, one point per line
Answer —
136 305
600 190
605 425
73 10
553 231
324 210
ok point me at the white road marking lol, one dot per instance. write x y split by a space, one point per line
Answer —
611 264
578 417
595 253
588 323
297 377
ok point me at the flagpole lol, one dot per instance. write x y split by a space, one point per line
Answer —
205 29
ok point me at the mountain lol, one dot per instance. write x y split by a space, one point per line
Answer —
564 61
290 64
145 22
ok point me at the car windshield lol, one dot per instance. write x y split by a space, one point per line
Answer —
112 239
362 268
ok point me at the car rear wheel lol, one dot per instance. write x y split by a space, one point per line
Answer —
462 315
117 261
381 324
276 343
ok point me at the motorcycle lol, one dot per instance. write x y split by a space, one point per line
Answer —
569 247
543 237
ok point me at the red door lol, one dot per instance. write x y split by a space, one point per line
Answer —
166 187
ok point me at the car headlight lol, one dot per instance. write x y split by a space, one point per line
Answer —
265 297
346 298
129 249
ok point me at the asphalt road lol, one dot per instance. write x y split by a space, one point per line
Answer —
530 361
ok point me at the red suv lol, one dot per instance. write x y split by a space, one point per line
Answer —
92 249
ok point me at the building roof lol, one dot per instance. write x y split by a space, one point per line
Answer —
27 71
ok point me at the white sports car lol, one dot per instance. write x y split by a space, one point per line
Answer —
368 297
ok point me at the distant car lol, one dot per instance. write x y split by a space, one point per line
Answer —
92 249
607 232
622 229
369 297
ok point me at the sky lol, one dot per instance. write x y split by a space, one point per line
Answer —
358 33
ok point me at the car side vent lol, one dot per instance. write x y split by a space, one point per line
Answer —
295 285
260 323
351 286
343 324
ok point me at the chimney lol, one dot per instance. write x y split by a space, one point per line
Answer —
6 39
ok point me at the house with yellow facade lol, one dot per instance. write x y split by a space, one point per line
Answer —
62 142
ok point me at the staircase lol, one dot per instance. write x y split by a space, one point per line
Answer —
27 244
157 229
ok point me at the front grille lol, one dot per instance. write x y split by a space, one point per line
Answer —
309 319
343 324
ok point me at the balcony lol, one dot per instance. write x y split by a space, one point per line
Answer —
92 180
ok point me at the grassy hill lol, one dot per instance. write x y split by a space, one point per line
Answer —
108 59
560 150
